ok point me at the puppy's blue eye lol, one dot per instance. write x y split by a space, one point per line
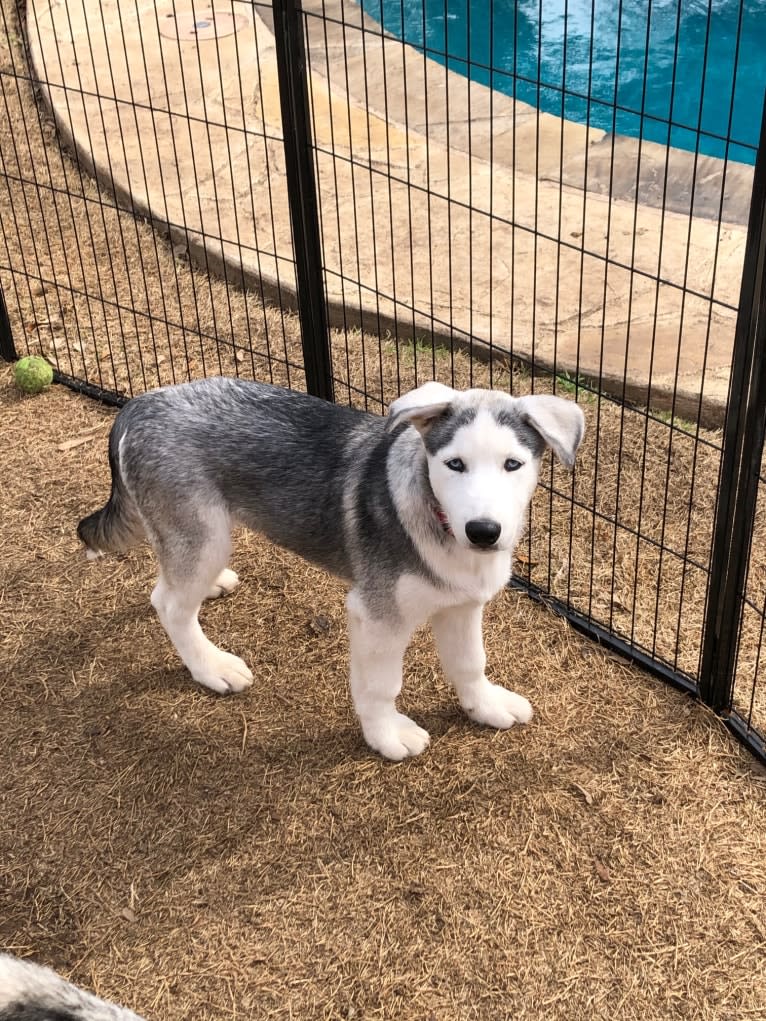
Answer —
455 464
512 465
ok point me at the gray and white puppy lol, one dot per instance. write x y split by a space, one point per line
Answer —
419 512
30 992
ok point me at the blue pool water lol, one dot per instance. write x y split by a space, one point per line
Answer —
671 71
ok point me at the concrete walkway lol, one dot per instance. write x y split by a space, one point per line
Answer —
445 207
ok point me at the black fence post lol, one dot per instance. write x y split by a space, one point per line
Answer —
741 459
302 195
7 347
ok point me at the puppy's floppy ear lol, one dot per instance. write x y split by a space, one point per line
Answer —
561 424
420 407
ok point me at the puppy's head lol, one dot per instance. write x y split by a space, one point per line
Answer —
484 449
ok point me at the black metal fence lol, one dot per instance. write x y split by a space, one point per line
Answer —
355 198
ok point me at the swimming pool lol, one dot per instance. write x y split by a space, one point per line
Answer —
686 73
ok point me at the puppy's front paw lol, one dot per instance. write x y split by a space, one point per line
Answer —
495 706
395 736
223 672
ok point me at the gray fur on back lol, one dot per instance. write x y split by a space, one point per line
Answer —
309 475
314 477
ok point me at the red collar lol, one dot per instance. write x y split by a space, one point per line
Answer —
441 517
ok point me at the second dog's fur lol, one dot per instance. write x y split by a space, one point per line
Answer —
30 992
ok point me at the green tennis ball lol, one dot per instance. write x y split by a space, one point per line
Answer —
32 374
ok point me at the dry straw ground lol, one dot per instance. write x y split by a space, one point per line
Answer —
207 858
200 858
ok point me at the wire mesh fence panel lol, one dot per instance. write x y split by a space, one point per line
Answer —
748 700
142 177
508 197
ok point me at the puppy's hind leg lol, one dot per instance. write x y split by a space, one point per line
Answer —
189 570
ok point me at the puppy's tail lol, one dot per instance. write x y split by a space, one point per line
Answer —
117 525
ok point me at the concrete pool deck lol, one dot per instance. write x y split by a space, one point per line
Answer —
446 208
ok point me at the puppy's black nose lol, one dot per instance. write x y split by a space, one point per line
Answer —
483 531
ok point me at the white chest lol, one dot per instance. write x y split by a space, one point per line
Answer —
467 577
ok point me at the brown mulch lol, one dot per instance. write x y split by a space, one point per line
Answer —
200 858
